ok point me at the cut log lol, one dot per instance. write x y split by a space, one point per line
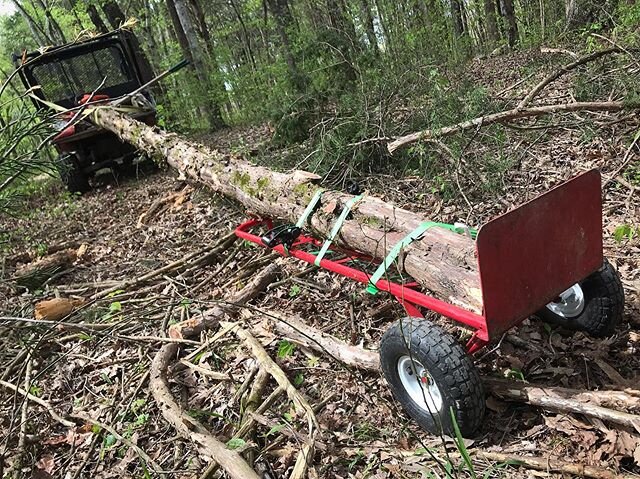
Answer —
56 308
442 261
33 275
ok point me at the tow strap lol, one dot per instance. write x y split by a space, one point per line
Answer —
406 241
336 227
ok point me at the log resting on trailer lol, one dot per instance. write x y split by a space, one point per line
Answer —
442 261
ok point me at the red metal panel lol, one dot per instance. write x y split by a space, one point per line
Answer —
531 254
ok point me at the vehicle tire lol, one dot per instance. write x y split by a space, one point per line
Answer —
414 349
594 305
72 175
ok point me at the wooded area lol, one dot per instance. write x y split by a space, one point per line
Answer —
142 338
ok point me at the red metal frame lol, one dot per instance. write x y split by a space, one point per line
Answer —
407 294
526 257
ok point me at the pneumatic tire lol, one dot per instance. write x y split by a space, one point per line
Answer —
598 304
445 377
72 175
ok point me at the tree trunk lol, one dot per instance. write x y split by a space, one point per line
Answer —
198 56
282 15
95 18
179 31
39 35
441 261
492 24
116 17
367 20
202 25
246 38
345 34
114 13
512 24
457 16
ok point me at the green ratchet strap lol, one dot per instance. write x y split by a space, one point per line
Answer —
310 208
406 241
336 227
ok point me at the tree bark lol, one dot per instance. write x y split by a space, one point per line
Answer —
563 400
457 16
492 24
95 18
512 24
282 15
442 261
198 56
116 17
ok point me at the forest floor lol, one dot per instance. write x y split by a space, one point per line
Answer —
103 373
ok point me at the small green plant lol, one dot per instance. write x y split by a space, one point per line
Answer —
285 348
625 233
298 379
514 373
35 390
41 249
236 443
275 429
294 291
460 445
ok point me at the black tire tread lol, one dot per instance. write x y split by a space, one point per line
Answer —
605 308
457 379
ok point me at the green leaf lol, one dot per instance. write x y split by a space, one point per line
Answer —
109 440
95 429
298 380
235 443
462 448
115 293
275 430
115 306
294 291
285 348
137 405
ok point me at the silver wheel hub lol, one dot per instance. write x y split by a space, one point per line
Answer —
419 384
569 303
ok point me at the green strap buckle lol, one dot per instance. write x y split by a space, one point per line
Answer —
336 227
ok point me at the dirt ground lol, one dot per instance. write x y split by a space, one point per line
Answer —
102 373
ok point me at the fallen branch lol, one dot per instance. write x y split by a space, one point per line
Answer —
41 402
565 400
305 455
299 332
210 318
223 244
565 69
184 424
590 403
507 115
552 465
34 274
143 455
188 427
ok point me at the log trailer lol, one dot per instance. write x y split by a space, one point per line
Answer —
543 258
